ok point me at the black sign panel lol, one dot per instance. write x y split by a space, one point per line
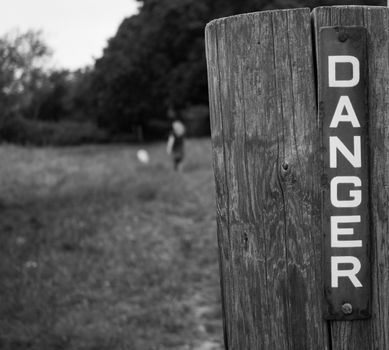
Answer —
345 178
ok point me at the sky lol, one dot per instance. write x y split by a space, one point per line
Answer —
76 30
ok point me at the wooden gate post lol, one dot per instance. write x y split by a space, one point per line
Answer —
267 157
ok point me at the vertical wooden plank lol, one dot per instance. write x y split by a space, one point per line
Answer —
298 174
373 333
265 147
218 156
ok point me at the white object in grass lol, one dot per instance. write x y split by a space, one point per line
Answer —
143 156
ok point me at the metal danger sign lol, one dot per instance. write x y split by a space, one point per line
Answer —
345 176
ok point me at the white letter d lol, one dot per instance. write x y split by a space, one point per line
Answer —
332 61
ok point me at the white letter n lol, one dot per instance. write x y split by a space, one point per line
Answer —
354 159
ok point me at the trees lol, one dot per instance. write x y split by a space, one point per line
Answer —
37 104
22 60
154 63
156 60
64 95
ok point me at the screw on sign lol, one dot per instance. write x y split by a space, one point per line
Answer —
343 112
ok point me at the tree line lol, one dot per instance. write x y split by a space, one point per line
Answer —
151 70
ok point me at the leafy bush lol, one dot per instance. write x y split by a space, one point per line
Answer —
32 132
196 119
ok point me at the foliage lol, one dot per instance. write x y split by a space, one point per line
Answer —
196 120
22 58
154 64
35 132
156 61
62 96
38 105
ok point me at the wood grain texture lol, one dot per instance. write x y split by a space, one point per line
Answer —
265 137
373 333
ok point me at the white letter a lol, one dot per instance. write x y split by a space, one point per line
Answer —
344 102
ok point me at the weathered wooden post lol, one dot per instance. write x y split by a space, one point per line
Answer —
272 163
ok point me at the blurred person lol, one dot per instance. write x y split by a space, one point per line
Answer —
175 144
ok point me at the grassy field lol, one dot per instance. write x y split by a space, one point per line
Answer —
99 251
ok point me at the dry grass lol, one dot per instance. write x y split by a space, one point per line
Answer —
99 251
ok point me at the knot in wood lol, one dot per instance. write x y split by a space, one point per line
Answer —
246 240
285 168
